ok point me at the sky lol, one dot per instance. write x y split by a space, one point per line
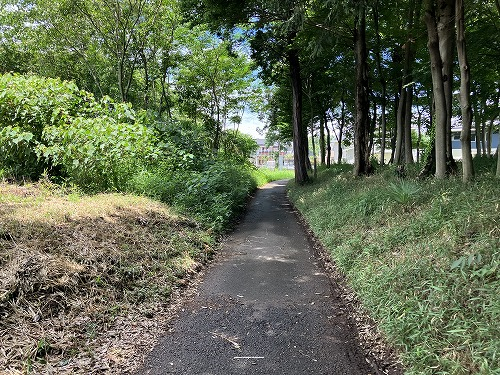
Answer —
250 123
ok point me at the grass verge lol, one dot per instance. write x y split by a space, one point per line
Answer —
84 279
264 175
423 258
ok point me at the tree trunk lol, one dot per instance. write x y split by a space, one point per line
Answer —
341 131
383 125
299 135
322 148
419 134
383 121
400 128
438 90
446 36
498 160
477 126
483 136
328 143
315 159
465 105
403 140
362 125
407 134
489 133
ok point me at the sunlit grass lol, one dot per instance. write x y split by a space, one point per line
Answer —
265 175
423 257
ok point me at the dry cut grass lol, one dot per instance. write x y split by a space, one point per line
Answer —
85 281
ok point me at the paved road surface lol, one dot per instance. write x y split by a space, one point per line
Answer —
265 307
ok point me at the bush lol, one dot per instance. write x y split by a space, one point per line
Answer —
98 153
17 153
49 124
213 196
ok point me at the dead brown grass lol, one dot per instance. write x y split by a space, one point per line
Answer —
85 280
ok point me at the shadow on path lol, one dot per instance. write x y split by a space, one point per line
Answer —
265 308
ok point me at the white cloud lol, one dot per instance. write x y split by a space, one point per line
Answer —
249 124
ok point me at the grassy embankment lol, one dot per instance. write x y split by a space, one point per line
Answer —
422 256
86 280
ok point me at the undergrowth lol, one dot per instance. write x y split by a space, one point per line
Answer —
75 266
423 257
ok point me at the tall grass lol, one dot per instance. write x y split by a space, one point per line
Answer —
423 256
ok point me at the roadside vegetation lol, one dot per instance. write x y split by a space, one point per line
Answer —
423 257
105 214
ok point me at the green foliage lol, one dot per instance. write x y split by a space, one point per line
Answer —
423 258
49 124
404 192
17 156
237 146
97 154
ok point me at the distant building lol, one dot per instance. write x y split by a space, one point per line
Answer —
456 145
348 152
272 156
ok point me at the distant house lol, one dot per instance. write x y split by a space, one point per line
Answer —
272 156
348 152
456 146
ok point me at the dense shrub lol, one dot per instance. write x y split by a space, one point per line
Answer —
50 126
213 195
98 153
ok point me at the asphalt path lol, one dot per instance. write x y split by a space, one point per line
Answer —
265 307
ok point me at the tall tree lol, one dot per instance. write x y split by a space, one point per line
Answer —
439 39
213 83
465 102
362 164
274 26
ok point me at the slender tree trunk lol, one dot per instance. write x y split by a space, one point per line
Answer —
438 90
483 136
373 126
328 143
407 133
393 133
419 135
315 159
322 146
403 142
341 131
299 135
465 104
400 128
362 125
383 82
446 35
489 133
477 127
383 125
498 160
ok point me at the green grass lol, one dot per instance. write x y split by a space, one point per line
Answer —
264 175
423 257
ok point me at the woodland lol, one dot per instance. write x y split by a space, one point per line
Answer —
396 75
106 102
